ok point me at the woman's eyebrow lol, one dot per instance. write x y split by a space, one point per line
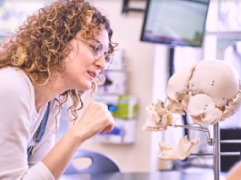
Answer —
102 44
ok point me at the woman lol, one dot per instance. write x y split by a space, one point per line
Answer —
57 54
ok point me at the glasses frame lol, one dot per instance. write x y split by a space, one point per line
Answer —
108 56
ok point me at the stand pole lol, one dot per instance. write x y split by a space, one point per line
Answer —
216 151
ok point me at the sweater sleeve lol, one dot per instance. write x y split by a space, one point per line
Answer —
38 172
16 111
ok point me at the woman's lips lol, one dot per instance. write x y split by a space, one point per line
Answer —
92 74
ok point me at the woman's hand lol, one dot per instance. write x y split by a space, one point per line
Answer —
95 119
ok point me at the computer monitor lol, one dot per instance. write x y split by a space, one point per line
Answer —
175 22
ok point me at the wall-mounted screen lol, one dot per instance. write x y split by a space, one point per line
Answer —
175 22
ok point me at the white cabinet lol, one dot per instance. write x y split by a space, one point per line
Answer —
223 27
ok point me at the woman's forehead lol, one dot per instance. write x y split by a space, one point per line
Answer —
104 39
101 36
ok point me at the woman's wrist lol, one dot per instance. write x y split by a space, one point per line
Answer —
79 134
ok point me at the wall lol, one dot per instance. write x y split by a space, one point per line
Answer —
148 74
147 67
139 56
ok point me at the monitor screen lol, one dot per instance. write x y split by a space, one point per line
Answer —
175 22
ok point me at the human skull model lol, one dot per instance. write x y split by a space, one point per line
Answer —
209 91
180 152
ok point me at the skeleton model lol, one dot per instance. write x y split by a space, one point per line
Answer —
209 91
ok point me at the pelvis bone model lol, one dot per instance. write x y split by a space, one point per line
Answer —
208 91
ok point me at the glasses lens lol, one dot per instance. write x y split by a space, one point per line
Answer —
108 58
98 50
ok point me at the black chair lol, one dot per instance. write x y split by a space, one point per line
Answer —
100 164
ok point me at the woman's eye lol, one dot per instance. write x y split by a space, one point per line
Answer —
93 48
96 49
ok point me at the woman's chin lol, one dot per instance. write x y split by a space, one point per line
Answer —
84 86
87 87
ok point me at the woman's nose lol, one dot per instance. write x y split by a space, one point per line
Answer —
101 62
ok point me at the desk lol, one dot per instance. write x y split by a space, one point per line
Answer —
157 175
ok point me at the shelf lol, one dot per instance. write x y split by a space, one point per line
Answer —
224 33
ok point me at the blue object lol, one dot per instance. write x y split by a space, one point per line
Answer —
100 163
115 131
112 107
40 131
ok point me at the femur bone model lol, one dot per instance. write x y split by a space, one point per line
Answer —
208 91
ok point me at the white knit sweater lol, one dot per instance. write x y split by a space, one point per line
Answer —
18 123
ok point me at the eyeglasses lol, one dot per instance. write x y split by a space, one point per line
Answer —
98 51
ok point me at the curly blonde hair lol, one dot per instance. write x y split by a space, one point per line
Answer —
41 43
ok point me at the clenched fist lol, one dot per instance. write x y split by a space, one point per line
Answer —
95 119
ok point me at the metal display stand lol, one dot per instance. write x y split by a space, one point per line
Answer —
216 150
215 142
